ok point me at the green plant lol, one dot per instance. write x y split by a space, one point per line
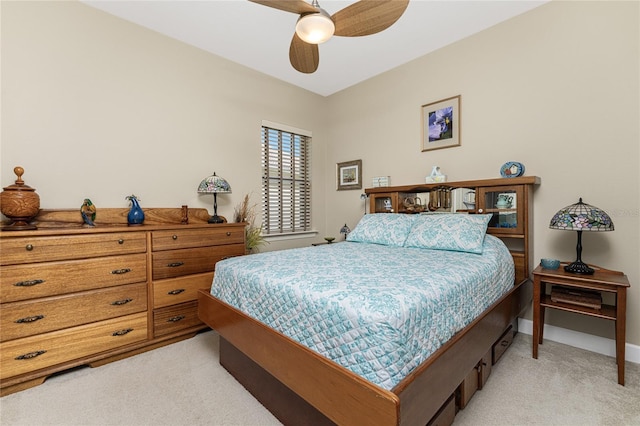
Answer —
246 212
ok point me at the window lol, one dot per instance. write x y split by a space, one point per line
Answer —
286 181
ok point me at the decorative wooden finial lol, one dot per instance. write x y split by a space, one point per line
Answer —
19 171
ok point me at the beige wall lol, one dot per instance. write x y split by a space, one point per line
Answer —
95 106
556 89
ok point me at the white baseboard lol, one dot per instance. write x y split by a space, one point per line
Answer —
592 343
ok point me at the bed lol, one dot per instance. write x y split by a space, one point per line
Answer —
381 329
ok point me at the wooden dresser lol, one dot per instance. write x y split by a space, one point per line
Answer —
72 295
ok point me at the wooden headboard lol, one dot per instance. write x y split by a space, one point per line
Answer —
512 216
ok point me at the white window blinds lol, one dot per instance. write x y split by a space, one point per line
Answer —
286 182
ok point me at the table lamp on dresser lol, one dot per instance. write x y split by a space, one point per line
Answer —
581 217
215 185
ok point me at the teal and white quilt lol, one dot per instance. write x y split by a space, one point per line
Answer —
378 310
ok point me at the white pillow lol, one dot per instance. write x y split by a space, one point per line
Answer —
390 229
456 232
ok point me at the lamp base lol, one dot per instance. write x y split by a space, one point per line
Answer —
579 267
215 219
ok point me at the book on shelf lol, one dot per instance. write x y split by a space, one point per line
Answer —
590 299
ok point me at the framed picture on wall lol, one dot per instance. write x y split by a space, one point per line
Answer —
441 124
349 175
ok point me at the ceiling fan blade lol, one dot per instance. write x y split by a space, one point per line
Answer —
368 17
293 6
303 56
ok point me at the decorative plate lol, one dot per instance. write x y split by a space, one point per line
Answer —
511 169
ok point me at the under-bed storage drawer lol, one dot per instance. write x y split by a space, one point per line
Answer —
500 347
474 381
33 353
445 415
175 318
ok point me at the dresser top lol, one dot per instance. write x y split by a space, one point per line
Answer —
56 222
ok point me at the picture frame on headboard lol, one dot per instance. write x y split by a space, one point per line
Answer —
349 175
441 124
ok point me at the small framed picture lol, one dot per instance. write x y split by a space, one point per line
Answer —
441 124
349 175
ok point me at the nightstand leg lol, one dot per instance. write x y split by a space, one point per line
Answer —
541 324
621 303
536 317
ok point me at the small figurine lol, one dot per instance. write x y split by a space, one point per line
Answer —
136 215
436 176
88 212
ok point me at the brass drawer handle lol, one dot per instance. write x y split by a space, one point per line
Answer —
175 264
122 332
176 291
29 283
29 247
175 237
120 241
29 319
228 234
121 271
121 302
176 318
30 355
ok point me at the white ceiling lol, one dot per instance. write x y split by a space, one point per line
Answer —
258 37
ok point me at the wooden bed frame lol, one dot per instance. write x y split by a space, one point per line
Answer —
300 386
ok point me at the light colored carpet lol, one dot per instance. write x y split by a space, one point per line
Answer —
183 384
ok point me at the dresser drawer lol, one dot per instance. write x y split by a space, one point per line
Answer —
22 282
45 249
175 318
33 353
175 263
188 238
22 319
178 290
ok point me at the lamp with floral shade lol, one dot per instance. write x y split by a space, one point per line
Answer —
581 217
215 185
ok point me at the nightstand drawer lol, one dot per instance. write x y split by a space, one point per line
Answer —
179 290
46 249
33 353
175 318
22 282
187 238
175 263
22 319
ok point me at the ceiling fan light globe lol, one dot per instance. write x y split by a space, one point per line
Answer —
315 28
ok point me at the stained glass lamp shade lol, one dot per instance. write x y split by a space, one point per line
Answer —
345 230
214 185
581 217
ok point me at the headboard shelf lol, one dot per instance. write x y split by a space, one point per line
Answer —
426 187
508 200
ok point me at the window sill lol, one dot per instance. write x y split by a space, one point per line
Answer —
290 236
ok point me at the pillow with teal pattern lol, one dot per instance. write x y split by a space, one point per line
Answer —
455 232
390 229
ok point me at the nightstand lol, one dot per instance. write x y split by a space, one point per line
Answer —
602 281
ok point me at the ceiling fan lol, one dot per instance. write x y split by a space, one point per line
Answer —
315 26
